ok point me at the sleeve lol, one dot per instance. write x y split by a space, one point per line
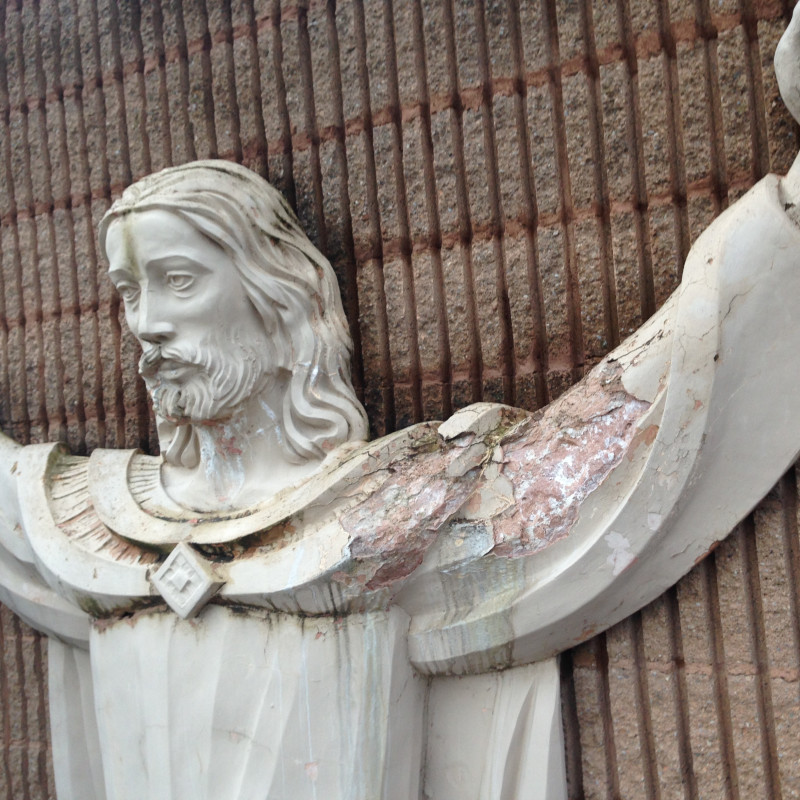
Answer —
22 589
719 431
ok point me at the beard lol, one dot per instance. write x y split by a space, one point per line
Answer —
205 383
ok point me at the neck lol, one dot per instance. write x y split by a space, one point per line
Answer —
235 463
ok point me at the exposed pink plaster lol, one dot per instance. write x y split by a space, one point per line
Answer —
554 462
544 468
396 524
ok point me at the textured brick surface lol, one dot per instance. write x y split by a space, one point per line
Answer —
505 189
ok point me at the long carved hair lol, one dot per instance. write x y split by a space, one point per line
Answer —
290 283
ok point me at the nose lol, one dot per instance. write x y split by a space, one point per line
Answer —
153 326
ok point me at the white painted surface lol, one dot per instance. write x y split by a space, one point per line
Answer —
232 705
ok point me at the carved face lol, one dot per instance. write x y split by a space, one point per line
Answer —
204 345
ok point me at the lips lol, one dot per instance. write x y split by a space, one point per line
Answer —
153 365
171 370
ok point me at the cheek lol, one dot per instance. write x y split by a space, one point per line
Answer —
255 332
212 298
234 309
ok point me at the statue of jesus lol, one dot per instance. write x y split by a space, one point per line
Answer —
275 608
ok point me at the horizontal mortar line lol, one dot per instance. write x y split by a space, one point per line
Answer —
37 744
514 226
559 364
735 668
648 46
170 54
37 316
647 43
22 211
263 24
71 421
524 368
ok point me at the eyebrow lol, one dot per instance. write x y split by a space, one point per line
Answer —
175 260
120 273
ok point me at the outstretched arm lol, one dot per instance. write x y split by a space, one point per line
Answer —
22 589
787 66
787 71
566 537
11 535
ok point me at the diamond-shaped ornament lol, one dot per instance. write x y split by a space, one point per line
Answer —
186 581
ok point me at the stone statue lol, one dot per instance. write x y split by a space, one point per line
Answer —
274 608
245 350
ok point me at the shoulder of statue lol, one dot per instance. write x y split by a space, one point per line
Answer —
128 497
101 526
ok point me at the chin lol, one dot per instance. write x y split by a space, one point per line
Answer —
196 404
187 405
208 385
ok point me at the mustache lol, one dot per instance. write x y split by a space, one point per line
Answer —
153 358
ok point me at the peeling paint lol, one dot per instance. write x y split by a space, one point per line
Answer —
654 520
396 523
646 437
621 556
553 463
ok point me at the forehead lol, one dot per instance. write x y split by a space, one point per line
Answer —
140 238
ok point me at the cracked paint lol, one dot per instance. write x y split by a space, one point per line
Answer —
395 525
554 462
